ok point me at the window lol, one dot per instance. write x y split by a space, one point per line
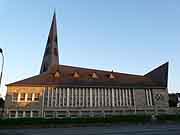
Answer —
132 97
49 114
12 114
50 94
35 114
149 98
20 114
22 98
76 75
46 97
94 76
57 74
29 98
111 76
36 97
14 97
28 114
54 97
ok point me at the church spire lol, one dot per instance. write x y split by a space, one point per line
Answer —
51 56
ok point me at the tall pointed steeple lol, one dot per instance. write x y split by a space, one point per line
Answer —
51 55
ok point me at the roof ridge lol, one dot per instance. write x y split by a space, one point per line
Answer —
99 70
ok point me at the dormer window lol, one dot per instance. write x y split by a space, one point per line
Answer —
94 76
111 76
57 74
76 75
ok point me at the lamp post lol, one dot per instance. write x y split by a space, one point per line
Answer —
2 66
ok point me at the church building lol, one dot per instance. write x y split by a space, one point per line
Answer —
60 91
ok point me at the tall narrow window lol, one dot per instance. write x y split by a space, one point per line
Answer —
46 97
149 98
14 97
54 97
36 97
28 114
132 98
151 93
35 114
22 98
29 98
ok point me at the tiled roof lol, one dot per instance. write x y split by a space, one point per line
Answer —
68 76
160 74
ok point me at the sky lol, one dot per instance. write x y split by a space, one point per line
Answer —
128 36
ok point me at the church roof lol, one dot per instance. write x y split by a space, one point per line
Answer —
68 76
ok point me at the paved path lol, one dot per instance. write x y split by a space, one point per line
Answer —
171 129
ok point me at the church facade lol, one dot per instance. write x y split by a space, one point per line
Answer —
60 91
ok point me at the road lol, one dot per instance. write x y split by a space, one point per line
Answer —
170 129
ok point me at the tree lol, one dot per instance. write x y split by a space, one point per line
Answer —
173 100
1 102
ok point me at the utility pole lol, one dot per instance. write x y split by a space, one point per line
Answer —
2 65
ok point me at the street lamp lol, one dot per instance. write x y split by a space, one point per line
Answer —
1 51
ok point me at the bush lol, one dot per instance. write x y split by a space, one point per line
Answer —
164 118
41 122
94 120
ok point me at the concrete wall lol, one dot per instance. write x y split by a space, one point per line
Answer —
161 98
21 105
140 99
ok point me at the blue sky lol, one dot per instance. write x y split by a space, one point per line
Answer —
130 36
